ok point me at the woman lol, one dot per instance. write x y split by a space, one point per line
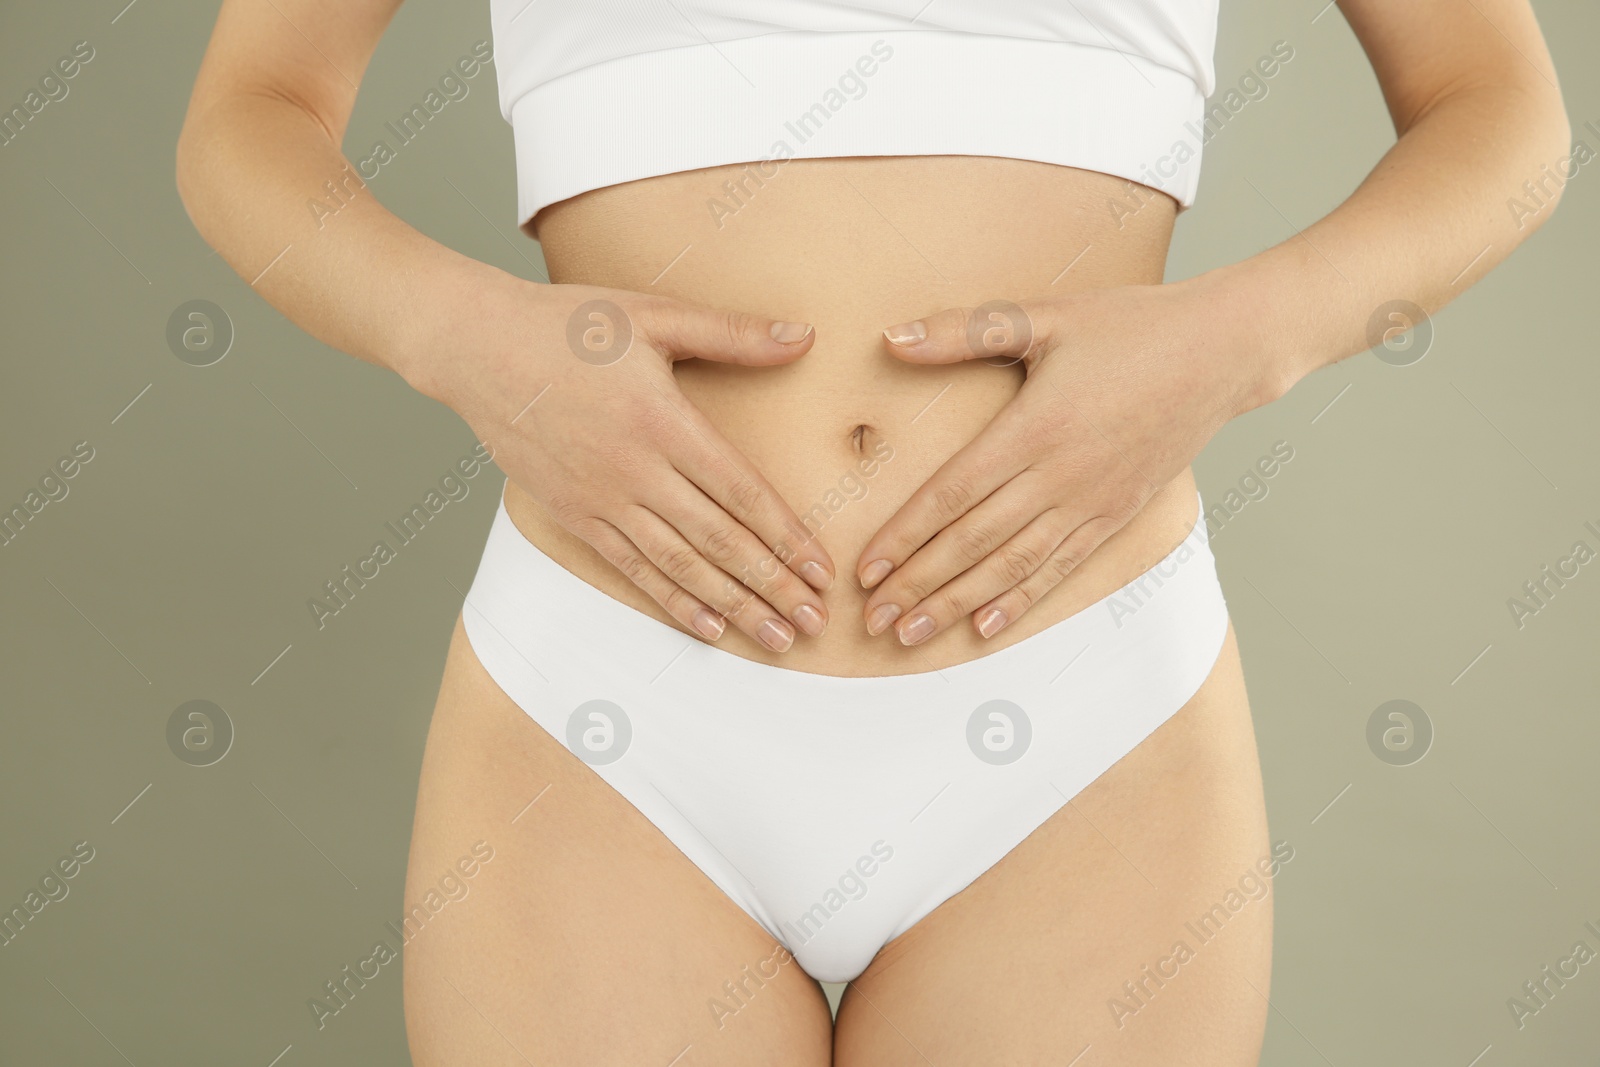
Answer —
848 615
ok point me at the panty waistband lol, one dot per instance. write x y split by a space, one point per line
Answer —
558 623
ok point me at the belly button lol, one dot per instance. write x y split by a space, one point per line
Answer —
858 436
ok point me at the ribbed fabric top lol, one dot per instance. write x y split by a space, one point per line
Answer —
600 92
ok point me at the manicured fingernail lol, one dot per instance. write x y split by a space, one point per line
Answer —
991 622
775 635
881 617
810 620
875 572
907 333
706 621
918 630
789 332
816 575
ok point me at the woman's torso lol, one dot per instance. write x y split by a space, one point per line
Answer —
851 246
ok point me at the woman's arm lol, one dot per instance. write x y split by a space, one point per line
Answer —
613 450
1126 385
259 144
1483 135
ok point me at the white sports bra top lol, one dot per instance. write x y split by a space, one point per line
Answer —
600 92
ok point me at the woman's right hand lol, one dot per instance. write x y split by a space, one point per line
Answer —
571 387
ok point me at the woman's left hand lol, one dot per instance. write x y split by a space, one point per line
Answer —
1124 387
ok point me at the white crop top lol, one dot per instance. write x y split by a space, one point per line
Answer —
600 92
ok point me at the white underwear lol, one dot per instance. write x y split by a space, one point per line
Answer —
837 812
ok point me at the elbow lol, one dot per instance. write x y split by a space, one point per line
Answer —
187 171
199 175
1568 154
183 173
1556 158
1543 159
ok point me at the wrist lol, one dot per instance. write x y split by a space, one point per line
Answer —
435 350
1234 307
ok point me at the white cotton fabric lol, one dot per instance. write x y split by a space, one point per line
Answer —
837 812
600 92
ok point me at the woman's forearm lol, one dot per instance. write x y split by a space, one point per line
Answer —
266 185
1435 215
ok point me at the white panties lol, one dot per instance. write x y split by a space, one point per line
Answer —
837 812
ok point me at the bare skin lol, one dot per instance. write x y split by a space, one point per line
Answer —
589 938
1185 811
901 238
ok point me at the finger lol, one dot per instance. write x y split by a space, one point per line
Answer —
1018 560
712 463
964 481
958 547
682 331
683 564
624 555
998 328
736 551
1008 607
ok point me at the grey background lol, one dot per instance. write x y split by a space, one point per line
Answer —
221 898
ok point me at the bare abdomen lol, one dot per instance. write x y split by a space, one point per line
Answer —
847 433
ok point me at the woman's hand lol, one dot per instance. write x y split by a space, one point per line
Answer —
1124 387
572 388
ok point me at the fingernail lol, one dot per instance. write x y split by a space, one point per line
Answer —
810 620
918 630
907 333
875 572
708 624
789 332
816 575
775 635
992 620
881 617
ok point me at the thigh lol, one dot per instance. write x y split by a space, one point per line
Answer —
1072 942
580 935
